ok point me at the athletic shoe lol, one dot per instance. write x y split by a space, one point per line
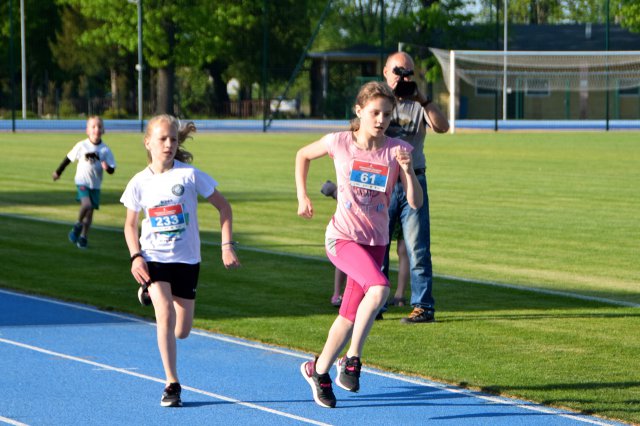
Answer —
348 377
75 232
171 396
143 295
336 301
82 242
419 315
320 385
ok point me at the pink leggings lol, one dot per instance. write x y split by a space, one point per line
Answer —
362 266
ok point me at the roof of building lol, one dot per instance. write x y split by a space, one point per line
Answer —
565 37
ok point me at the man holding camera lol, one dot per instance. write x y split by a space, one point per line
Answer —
413 113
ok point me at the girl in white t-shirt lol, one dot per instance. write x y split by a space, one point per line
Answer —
367 165
165 258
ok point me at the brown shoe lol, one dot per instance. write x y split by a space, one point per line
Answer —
419 315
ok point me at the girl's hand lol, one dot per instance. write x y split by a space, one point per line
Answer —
55 176
305 208
105 166
140 271
404 159
229 258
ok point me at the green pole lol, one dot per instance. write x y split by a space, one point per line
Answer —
606 44
301 60
567 101
265 55
495 101
140 68
12 70
381 36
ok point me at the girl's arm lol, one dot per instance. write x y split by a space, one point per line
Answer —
139 268
304 156
229 258
409 180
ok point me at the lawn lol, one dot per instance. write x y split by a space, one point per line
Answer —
555 211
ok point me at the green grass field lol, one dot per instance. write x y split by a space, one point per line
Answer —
555 211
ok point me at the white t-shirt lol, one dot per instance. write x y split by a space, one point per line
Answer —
170 226
89 157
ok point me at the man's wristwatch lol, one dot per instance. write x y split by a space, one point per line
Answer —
425 103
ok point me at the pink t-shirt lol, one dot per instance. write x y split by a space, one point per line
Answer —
365 183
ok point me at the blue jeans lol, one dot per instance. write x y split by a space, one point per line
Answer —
417 238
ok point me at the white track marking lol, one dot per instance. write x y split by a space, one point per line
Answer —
156 379
283 351
447 277
11 422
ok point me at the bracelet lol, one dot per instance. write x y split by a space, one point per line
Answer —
228 243
138 254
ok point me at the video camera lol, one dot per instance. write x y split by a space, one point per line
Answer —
404 88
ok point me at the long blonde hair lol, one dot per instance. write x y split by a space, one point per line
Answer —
369 91
183 130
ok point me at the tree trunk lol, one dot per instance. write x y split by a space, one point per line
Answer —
167 74
165 88
219 96
115 95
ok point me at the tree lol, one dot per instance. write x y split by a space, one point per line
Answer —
564 11
41 22
629 13
221 36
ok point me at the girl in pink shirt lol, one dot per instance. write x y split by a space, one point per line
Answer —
367 165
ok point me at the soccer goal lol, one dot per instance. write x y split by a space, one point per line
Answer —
545 86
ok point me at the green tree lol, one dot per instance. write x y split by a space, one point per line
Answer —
41 22
526 11
629 14
221 37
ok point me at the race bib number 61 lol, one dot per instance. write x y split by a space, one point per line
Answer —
369 175
167 218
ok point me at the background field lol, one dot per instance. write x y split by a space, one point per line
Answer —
551 211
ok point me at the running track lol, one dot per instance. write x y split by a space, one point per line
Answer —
71 364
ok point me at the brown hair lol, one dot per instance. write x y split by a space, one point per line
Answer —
183 131
368 92
96 117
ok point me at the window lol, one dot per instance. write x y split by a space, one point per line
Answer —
630 87
536 87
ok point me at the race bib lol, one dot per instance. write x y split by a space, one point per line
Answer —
369 175
167 218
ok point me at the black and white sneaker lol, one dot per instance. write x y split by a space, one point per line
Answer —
320 385
143 295
82 242
349 373
171 396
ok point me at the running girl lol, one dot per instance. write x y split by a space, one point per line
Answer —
166 256
367 165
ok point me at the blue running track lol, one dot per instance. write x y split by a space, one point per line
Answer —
70 364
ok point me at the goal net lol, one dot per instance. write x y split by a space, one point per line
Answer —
538 77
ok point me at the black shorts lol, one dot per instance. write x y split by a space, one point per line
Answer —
183 277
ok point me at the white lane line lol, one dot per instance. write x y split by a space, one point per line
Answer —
415 381
537 290
287 352
156 379
11 422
